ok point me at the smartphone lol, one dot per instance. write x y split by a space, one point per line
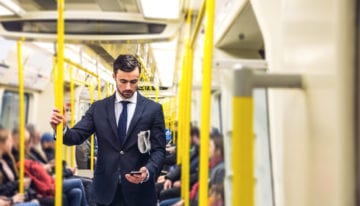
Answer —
135 173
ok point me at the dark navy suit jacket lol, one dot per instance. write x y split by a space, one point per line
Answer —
114 159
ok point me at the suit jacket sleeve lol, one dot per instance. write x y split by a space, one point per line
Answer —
82 130
157 153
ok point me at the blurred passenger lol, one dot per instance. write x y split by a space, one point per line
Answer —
171 184
36 149
48 145
43 182
9 182
216 176
83 153
216 195
28 148
217 170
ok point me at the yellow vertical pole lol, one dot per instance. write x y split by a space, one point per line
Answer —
186 82
107 89
157 93
91 90
243 152
22 116
99 88
205 103
72 107
59 97
185 182
180 138
173 119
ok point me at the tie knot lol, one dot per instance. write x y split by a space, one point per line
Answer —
124 103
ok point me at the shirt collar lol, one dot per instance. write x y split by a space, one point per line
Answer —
119 98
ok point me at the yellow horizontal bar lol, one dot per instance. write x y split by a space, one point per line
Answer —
82 82
80 67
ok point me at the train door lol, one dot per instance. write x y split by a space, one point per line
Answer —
264 178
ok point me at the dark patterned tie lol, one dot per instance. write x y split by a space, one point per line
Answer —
122 122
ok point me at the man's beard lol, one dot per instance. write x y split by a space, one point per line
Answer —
127 93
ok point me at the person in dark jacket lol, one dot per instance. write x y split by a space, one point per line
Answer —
9 180
171 185
130 132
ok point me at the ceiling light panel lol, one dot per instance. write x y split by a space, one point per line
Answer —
4 11
162 9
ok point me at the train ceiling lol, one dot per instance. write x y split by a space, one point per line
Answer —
117 26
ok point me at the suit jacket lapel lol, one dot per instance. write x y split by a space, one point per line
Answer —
112 119
140 106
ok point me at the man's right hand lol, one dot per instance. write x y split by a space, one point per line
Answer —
57 118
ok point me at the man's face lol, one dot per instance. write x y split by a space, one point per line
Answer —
127 82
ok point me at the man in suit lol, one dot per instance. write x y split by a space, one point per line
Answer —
118 149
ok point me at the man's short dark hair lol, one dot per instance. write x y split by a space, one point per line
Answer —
126 63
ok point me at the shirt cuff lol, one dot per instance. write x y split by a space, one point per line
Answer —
64 131
147 175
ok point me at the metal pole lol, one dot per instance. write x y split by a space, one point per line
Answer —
205 101
242 145
99 88
80 67
277 80
91 90
198 23
187 77
59 98
242 150
22 117
72 108
185 173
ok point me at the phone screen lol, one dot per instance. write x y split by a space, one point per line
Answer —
135 172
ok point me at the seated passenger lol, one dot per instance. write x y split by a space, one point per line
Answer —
36 150
48 145
216 176
9 182
44 183
171 181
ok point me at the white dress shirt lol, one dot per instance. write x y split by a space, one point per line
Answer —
130 107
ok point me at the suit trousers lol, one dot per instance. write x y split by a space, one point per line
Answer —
118 198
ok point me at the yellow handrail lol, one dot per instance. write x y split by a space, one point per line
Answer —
80 67
72 108
22 117
99 88
198 24
91 89
59 100
242 152
186 82
205 103
157 93
107 89
187 121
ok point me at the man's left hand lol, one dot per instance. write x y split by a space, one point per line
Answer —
138 178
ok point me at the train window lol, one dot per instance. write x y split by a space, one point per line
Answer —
9 116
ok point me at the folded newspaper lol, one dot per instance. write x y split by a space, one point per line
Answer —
144 144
